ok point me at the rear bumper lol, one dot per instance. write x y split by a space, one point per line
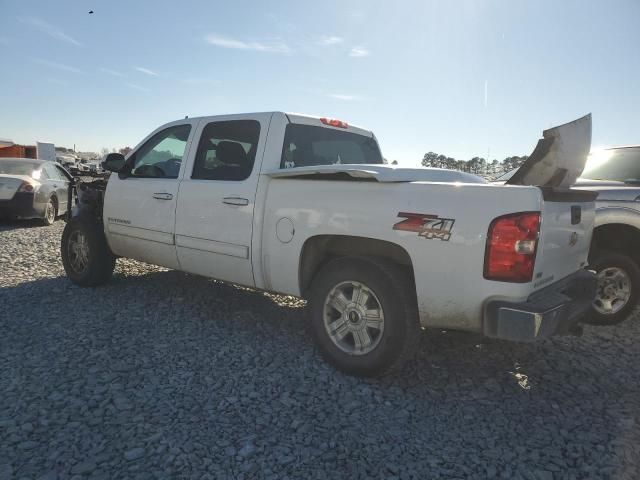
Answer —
551 311
22 205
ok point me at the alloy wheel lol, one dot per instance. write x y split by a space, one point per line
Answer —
353 318
614 291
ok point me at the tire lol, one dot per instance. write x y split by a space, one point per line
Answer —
86 256
392 342
50 212
618 288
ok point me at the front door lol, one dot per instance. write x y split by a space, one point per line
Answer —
216 200
140 203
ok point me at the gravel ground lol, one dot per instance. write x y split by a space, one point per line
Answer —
166 375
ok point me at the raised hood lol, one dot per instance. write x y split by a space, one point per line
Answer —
559 156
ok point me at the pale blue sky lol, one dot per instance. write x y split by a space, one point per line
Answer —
455 77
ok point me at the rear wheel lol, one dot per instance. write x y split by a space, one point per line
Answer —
364 316
50 212
618 287
86 257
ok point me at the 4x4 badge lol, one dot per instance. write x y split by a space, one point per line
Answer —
426 225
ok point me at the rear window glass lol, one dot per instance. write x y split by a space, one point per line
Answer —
17 167
306 145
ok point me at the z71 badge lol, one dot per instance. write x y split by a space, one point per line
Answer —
426 226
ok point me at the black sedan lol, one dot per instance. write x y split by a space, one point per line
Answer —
33 189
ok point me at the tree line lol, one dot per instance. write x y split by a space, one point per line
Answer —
477 165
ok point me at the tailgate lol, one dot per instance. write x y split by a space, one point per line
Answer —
565 234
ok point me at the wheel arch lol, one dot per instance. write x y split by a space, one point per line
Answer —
616 237
320 249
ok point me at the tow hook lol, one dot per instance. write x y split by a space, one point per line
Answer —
576 330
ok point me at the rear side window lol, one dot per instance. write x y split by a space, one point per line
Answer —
52 172
306 145
48 172
61 173
227 150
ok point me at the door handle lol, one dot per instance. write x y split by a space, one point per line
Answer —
163 196
240 202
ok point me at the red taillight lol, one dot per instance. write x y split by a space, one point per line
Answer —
334 123
512 242
26 187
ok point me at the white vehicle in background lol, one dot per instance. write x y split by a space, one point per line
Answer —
304 206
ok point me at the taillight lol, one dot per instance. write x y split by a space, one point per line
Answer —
334 123
26 187
512 241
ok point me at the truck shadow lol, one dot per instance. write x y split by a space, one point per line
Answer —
6 224
514 393
165 293
13 224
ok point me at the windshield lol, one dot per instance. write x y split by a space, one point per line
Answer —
621 164
17 167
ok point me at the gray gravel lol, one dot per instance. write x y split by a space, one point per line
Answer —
167 375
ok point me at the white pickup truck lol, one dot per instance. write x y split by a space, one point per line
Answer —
305 206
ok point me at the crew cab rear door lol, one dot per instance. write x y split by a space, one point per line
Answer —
216 201
140 202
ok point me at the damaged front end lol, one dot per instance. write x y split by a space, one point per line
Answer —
86 195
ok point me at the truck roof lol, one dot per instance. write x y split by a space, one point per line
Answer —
299 118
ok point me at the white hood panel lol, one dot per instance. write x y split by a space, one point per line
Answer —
559 157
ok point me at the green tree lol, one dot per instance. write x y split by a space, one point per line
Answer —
429 159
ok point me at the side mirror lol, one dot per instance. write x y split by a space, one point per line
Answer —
114 162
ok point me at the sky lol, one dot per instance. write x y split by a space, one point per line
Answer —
460 78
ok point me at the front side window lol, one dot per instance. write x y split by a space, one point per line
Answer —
306 145
227 150
161 156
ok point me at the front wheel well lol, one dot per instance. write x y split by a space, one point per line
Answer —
319 250
616 237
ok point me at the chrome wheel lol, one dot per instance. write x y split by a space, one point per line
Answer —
78 249
50 212
614 291
353 318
